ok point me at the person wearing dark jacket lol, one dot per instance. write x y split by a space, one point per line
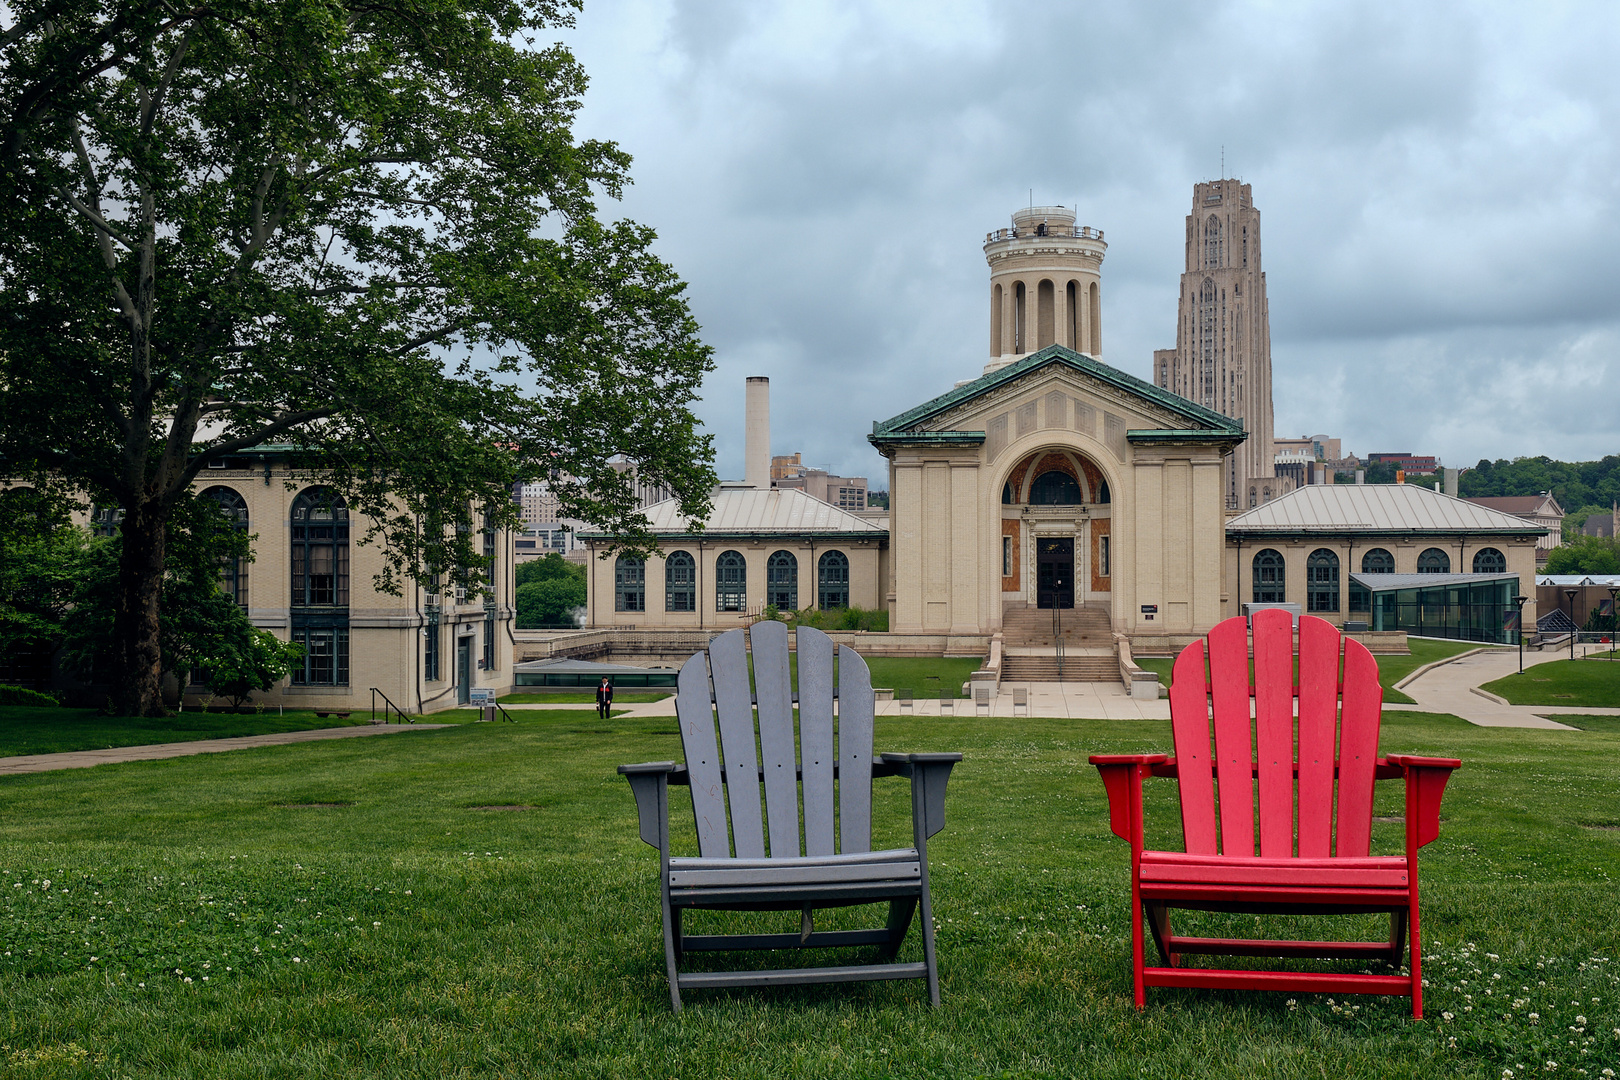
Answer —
604 698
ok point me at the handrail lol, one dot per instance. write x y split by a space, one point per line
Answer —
404 717
505 714
1057 635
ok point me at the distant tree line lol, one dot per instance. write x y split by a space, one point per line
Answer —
1581 487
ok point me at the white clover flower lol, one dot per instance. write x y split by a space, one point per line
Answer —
1447 1017
1580 1020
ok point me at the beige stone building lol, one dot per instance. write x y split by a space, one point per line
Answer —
1045 285
1056 481
311 581
1541 510
1332 550
1222 358
760 547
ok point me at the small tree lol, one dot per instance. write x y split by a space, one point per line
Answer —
239 663
1585 555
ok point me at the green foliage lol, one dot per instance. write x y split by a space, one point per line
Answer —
549 567
1585 555
550 602
21 695
237 663
366 231
1576 519
851 618
1573 484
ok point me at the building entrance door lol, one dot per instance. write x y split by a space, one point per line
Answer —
1054 572
463 670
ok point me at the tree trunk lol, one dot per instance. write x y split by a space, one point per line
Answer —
139 669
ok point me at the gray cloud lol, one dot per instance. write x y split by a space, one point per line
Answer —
1438 185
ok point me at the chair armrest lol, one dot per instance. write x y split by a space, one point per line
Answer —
1122 780
930 773
649 782
1425 784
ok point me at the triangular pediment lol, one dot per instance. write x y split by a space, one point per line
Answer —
1057 369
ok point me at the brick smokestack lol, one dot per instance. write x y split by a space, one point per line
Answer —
757 463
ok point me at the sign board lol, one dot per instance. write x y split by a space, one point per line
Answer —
1150 609
480 695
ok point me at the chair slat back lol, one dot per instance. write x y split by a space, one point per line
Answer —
820 743
733 702
1336 728
856 706
817 753
702 756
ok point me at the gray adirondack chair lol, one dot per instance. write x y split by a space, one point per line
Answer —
833 764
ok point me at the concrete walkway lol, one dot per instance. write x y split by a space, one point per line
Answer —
86 759
1452 687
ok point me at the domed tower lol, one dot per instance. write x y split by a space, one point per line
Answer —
1045 285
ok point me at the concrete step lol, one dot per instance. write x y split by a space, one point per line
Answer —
1045 669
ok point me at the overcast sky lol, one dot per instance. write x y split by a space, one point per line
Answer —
1438 185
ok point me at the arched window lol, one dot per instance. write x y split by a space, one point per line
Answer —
995 320
782 581
1322 581
1054 488
1489 561
629 584
1020 327
1212 242
1378 561
320 587
232 572
832 580
1268 577
1434 561
730 582
1102 492
1006 493
680 582
105 520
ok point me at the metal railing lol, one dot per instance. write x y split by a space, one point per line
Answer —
388 706
1057 636
1078 232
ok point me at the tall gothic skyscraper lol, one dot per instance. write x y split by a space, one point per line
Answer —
1222 358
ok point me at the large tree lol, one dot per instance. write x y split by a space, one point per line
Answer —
361 229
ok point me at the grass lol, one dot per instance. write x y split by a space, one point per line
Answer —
1392 668
1565 683
474 902
923 675
52 731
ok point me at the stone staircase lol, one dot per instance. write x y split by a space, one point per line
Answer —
1030 652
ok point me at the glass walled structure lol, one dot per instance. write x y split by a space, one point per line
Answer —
1468 607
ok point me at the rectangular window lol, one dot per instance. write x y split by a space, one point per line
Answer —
489 639
431 647
326 656
1006 556
1102 556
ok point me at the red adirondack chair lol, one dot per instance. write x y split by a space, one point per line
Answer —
1316 862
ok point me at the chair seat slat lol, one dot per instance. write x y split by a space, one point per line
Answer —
703 766
773 689
1228 678
728 665
817 755
1318 722
1274 730
856 704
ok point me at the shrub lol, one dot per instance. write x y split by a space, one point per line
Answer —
21 695
852 618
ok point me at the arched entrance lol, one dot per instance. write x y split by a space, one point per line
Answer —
1055 531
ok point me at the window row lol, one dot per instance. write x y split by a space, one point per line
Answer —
731 582
1322 572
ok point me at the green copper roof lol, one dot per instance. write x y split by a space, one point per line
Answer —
1205 419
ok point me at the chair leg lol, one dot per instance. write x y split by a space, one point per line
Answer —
928 944
900 912
1417 959
1397 938
1159 922
672 939
1138 961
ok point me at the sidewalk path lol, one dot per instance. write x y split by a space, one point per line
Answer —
86 759
1449 688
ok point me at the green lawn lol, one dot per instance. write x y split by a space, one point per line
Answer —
1565 683
52 731
1391 668
923 675
473 902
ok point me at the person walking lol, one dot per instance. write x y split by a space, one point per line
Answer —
604 698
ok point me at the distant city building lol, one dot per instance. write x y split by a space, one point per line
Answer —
1222 358
1541 509
1406 461
546 530
844 492
1317 447
1603 524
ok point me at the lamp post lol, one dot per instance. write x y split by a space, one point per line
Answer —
1573 633
1521 601
1614 618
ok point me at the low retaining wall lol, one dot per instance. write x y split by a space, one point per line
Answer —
674 646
